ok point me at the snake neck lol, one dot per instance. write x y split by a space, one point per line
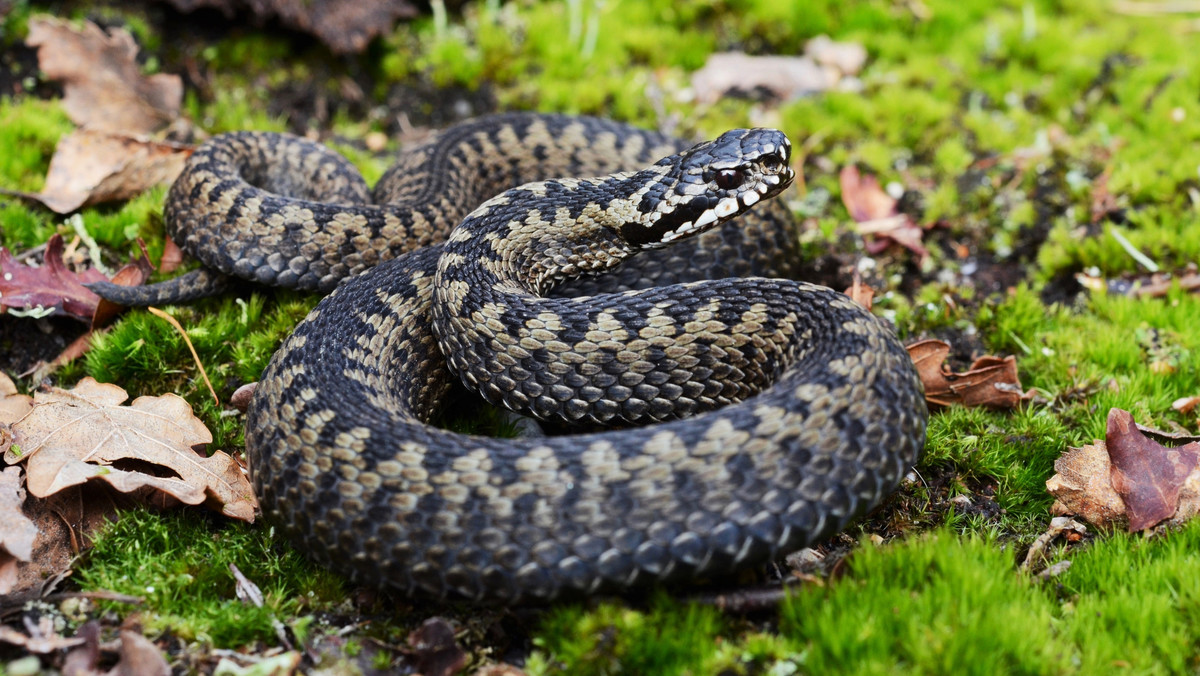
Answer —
535 237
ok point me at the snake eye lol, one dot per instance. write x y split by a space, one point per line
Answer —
728 179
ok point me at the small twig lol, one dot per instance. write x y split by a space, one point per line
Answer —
742 601
188 341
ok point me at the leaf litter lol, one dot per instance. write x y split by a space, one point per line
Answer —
112 156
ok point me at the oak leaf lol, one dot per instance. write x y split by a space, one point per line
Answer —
991 381
73 436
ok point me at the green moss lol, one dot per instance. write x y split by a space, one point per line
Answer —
179 562
668 639
234 336
31 130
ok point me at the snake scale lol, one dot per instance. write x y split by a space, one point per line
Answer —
754 415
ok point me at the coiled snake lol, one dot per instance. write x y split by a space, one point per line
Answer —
780 410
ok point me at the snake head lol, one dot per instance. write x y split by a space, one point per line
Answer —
709 184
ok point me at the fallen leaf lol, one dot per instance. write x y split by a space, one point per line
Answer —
172 256
17 532
54 289
140 657
1184 405
784 77
875 212
861 293
1128 476
1147 475
73 436
434 651
848 57
93 167
82 660
66 523
345 26
12 404
991 381
103 87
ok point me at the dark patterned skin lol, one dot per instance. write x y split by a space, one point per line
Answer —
787 409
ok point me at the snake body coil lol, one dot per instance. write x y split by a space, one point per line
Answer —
786 409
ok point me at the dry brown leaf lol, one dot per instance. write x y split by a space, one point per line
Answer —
1081 486
1127 477
861 293
875 212
784 77
991 381
1186 405
103 87
72 436
1147 475
140 657
92 167
12 404
172 256
17 532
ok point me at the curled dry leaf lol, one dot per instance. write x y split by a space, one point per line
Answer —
1128 476
103 87
53 287
73 436
876 214
991 381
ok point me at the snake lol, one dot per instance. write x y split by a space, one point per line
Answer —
576 270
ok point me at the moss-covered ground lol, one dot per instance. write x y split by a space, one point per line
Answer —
1038 140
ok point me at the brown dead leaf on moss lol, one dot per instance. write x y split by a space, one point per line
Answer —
103 86
94 167
74 436
879 222
53 288
991 381
1127 477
